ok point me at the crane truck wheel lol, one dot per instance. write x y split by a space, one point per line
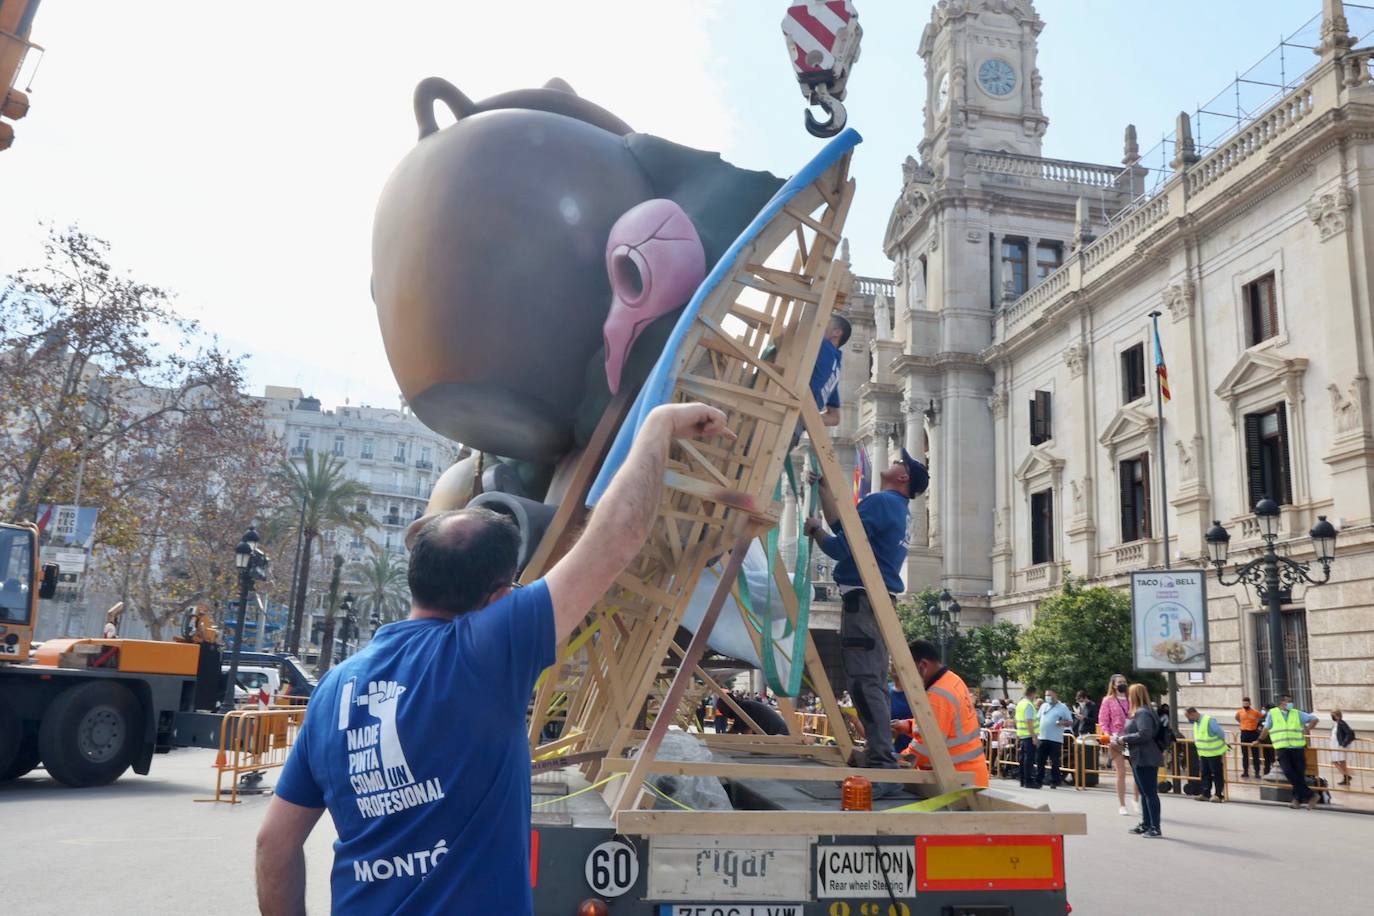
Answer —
90 734
11 736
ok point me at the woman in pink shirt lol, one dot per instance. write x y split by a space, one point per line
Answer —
1112 716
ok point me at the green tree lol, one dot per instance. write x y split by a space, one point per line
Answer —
995 644
915 618
331 608
384 593
321 498
1079 639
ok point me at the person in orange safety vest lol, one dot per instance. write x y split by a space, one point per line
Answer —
953 707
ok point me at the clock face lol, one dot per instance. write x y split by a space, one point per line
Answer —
996 77
942 93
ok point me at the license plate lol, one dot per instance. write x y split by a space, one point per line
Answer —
730 909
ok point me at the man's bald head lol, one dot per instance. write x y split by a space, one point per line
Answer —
459 560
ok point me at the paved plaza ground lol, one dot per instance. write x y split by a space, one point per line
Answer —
143 845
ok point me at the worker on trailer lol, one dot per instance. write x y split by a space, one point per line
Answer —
432 809
863 652
954 711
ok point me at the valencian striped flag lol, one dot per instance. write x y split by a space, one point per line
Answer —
1161 370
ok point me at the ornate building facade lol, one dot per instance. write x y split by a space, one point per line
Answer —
1017 357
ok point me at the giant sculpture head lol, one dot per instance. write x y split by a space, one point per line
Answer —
501 265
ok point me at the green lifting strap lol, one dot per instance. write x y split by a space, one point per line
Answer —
790 685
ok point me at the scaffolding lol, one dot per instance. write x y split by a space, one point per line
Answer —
1252 92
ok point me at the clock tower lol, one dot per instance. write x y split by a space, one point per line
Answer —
983 90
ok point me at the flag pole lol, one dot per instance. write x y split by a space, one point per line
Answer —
1164 498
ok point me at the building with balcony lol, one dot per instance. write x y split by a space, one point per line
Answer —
1017 354
390 452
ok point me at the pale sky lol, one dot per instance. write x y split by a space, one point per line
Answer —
233 153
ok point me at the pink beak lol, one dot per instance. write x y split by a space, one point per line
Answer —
655 261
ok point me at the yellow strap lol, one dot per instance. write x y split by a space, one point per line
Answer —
595 785
579 642
932 804
654 789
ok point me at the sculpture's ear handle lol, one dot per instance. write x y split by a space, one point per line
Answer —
437 89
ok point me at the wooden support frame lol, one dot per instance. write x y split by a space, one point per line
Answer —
750 352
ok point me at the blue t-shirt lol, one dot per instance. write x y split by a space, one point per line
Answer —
825 377
1049 716
884 516
417 746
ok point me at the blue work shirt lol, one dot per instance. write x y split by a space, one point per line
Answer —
417 747
884 517
825 377
1049 715
1306 718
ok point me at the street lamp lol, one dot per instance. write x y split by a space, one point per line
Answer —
251 564
1272 574
944 618
350 623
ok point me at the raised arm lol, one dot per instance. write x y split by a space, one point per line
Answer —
622 519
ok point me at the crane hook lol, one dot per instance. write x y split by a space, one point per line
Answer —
821 96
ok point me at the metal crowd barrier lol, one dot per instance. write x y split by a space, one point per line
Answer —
1086 763
251 741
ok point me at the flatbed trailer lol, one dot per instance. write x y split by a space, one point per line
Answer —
791 853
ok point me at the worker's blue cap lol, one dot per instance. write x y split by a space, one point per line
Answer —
918 476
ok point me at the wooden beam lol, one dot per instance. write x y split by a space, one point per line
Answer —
849 823
787 772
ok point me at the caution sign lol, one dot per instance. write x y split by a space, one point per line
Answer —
865 871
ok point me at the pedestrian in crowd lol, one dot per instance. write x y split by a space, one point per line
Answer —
405 779
1287 728
1026 726
885 517
1342 736
901 709
1249 720
1210 742
954 714
722 716
1139 740
999 716
1054 719
1085 716
1112 715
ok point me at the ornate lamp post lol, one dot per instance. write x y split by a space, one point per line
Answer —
1272 574
945 620
251 564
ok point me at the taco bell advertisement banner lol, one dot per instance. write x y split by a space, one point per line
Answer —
1169 620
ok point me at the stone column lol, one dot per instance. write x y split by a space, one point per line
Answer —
1351 456
1182 336
1081 529
1002 515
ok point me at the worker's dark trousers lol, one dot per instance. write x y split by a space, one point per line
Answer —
1025 761
1293 761
1213 770
1051 752
1248 754
865 659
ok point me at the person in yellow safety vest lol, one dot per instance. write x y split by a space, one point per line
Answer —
1027 720
1286 727
953 707
1210 742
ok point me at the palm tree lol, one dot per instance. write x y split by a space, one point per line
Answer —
384 593
321 497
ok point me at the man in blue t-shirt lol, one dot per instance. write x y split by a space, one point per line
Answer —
825 377
429 791
863 652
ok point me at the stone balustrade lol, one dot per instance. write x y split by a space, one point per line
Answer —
1060 171
1358 67
873 286
1031 301
1262 131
